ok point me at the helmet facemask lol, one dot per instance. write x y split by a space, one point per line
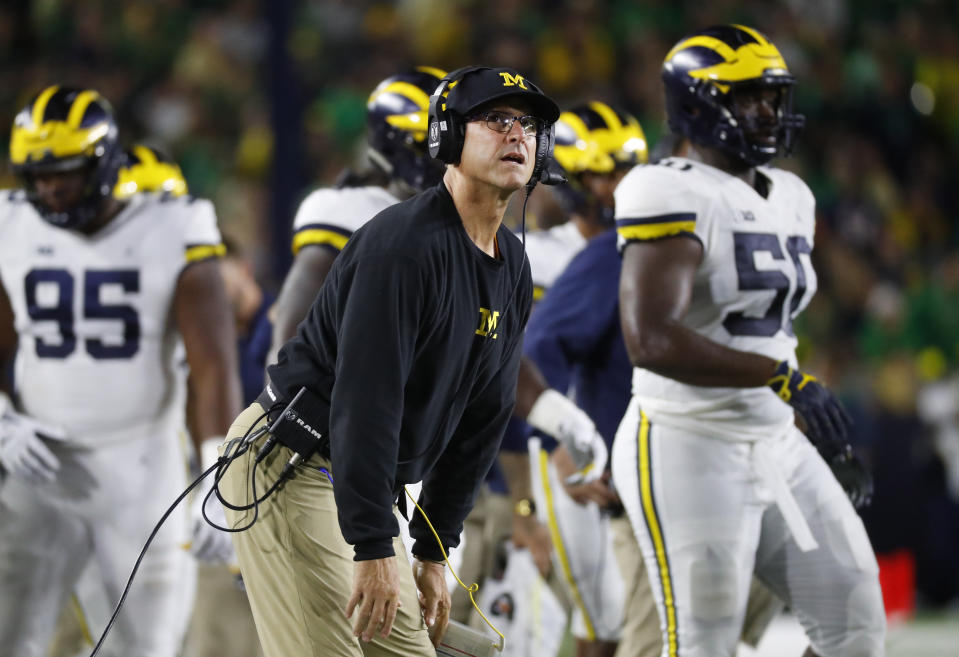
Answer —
100 172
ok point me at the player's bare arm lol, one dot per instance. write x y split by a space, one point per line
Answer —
205 321
310 268
654 294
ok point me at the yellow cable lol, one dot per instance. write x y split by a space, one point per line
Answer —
472 588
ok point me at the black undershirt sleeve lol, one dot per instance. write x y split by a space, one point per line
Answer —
379 304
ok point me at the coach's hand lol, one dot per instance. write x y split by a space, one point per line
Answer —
23 453
430 578
826 420
376 597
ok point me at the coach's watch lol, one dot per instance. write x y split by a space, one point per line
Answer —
525 507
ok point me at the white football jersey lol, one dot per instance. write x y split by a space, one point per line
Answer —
328 217
755 277
97 342
549 251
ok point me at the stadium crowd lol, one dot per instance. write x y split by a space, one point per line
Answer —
879 85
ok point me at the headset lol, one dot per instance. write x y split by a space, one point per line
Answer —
447 131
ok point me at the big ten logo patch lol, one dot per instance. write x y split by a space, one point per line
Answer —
510 80
487 323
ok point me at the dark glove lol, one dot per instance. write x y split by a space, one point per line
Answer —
826 420
853 476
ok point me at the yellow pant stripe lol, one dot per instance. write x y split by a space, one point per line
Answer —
655 533
81 620
558 544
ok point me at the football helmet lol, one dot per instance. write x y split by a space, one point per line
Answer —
595 138
701 72
147 169
66 129
396 119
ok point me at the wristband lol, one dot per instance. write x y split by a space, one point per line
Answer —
549 412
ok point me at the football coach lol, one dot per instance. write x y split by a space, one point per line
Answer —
406 369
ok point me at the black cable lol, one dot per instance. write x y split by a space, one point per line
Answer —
220 466
143 552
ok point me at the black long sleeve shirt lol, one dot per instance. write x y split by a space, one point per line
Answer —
413 347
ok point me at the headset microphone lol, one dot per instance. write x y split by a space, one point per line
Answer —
551 176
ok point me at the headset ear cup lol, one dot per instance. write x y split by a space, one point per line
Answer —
545 139
446 145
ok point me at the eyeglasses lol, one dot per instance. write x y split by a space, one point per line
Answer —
502 122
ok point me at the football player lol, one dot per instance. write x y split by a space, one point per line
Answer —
588 161
144 169
97 293
716 477
574 338
396 132
596 145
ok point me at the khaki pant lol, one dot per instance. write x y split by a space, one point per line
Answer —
641 635
297 567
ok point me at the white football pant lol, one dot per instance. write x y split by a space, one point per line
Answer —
583 556
707 512
98 513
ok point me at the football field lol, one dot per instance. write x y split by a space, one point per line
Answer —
927 635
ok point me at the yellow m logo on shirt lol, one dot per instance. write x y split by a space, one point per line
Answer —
487 323
510 80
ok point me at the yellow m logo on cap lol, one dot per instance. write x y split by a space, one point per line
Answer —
510 80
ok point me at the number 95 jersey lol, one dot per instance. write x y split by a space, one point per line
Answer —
754 278
97 338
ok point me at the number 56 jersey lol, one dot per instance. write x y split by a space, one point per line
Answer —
97 338
754 278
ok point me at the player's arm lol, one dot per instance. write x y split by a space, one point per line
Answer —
205 320
310 268
654 295
655 289
22 450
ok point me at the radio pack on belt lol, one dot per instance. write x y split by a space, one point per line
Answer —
293 427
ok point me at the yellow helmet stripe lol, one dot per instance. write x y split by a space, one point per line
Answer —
753 33
707 42
79 107
763 59
40 105
577 124
411 91
145 155
414 122
438 73
605 111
